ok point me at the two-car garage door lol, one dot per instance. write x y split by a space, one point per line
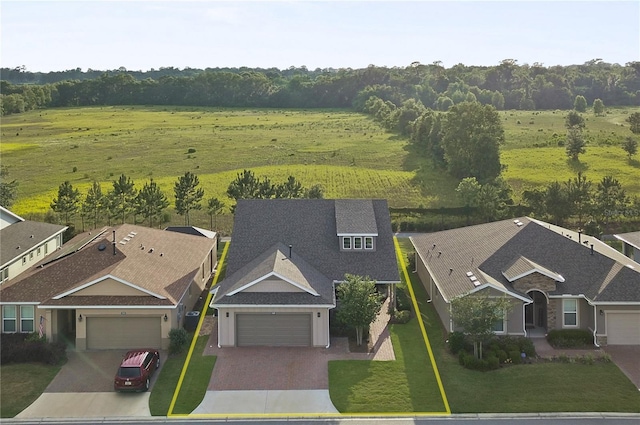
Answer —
123 332
273 329
623 328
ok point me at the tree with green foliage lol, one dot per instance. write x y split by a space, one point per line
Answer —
598 107
580 104
630 146
579 196
245 186
574 120
315 192
358 303
610 199
556 203
151 202
214 207
93 203
634 122
468 190
67 201
497 100
575 143
489 202
292 188
471 139
8 189
188 195
123 196
477 314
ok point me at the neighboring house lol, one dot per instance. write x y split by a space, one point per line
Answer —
556 278
119 287
24 243
285 259
193 230
630 245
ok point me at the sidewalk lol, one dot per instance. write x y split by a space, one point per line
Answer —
546 351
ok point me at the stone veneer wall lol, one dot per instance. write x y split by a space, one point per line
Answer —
551 314
535 281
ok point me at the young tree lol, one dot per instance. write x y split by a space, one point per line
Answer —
358 303
123 196
477 315
579 196
573 120
314 192
67 201
634 122
151 201
575 144
556 203
598 107
630 146
292 188
610 199
472 135
489 202
214 207
580 104
188 195
245 186
94 202
468 190
8 189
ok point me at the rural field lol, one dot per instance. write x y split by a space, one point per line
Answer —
346 152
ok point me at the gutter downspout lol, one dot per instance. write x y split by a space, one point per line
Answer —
524 319
595 326
328 331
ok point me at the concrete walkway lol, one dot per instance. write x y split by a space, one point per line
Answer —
270 401
88 405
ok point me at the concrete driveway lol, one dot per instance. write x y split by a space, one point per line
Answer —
627 357
84 389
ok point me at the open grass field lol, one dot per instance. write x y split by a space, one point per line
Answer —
346 152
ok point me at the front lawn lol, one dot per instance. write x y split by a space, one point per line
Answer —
539 387
194 385
22 384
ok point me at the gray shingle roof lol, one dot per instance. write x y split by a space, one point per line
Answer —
494 247
294 269
355 217
631 238
309 225
21 237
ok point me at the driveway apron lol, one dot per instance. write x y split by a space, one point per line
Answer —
627 357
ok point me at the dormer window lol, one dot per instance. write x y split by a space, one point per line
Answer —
346 243
356 225
357 242
368 242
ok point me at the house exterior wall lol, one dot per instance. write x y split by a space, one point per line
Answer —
273 285
631 252
555 314
441 306
227 325
534 281
81 326
32 257
109 287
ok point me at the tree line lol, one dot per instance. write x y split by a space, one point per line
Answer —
507 85
149 204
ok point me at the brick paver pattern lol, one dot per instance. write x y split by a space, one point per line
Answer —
288 368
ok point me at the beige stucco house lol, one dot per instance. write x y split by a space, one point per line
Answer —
286 258
118 287
555 278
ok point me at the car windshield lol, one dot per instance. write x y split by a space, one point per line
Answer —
129 372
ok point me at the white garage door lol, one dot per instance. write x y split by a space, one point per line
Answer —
123 332
273 329
623 328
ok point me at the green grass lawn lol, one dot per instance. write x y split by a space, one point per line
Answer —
194 384
346 152
541 387
22 384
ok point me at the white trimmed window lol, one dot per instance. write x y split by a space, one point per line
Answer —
9 318
31 255
46 248
499 326
26 318
346 242
24 260
4 274
357 242
368 242
570 313
39 250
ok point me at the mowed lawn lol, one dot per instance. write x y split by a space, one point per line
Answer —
541 387
346 152
22 384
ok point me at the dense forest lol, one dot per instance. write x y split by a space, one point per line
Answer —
507 85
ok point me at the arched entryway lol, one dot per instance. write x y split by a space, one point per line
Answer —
535 314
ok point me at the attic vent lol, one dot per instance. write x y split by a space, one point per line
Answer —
518 223
102 247
473 279
131 235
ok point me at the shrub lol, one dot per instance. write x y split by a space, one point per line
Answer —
177 340
30 348
587 359
570 338
515 357
401 317
402 300
191 150
493 362
605 358
457 342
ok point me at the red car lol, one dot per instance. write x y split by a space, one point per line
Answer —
136 370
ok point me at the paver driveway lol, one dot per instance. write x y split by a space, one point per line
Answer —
627 357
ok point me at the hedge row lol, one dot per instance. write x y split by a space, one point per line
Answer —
29 348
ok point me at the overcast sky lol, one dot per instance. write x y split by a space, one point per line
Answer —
140 35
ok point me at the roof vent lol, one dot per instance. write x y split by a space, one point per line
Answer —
31 237
102 247
162 254
151 250
518 223
473 279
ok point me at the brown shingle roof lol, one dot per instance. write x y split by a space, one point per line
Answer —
21 237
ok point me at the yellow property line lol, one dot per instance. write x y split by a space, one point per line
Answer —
421 323
195 334
312 415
